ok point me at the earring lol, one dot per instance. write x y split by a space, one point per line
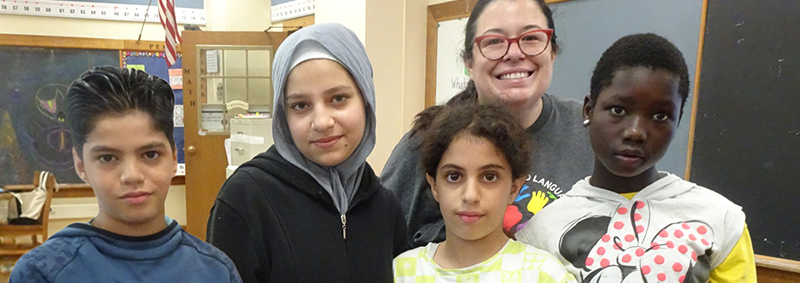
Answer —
586 122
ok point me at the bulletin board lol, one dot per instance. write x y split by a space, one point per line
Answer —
153 63
37 71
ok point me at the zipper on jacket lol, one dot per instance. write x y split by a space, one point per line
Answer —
344 227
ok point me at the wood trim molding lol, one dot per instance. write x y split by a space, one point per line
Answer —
437 13
81 43
778 264
298 22
695 90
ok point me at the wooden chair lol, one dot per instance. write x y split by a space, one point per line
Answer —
15 249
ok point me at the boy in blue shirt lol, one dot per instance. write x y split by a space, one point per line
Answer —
120 122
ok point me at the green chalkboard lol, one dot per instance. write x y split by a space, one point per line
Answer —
747 135
33 132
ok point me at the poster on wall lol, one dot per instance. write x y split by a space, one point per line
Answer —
186 11
452 75
282 10
154 63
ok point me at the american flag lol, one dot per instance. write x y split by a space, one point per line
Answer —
166 12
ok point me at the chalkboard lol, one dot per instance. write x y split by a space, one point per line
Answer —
33 132
747 136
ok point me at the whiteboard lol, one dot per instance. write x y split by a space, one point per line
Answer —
451 73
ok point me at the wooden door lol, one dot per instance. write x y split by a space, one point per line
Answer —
205 154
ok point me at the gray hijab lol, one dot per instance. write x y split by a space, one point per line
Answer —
340 181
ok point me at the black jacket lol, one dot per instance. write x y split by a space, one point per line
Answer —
278 225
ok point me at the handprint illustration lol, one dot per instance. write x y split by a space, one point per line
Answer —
525 205
623 248
537 202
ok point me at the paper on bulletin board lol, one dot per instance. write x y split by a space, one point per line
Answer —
212 121
139 67
176 78
154 64
451 73
212 61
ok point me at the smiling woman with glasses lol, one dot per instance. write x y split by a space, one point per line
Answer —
509 49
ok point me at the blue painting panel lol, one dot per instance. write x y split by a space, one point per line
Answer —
33 130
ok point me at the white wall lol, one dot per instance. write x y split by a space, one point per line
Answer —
221 15
350 13
394 36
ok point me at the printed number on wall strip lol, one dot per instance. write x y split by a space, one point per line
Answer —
99 11
285 10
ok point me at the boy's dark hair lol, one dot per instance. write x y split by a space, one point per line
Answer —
640 50
112 91
492 122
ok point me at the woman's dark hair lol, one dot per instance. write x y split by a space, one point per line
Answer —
112 91
640 50
488 121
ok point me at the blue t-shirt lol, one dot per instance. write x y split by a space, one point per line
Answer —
83 253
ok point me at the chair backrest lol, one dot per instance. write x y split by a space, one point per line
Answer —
50 184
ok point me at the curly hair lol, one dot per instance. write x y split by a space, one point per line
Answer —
488 121
640 50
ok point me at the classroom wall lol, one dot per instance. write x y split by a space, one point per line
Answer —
394 36
347 12
230 15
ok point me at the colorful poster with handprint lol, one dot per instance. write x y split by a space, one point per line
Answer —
535 194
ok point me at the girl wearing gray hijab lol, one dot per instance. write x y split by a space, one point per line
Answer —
311 209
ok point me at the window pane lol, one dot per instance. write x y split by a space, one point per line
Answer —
235 89
260 91
258 62
235 62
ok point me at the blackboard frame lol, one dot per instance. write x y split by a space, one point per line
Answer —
776 267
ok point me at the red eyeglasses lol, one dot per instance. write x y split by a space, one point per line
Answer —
531 43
